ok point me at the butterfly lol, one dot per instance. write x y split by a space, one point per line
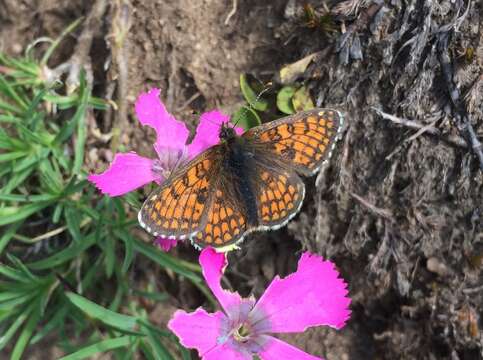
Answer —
245 183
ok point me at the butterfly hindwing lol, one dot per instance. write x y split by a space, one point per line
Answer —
278 194
304 140
176 209
279 197
225 221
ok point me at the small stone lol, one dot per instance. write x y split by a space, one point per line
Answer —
436 266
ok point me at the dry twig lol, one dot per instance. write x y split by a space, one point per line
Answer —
231 13
460 114
121 23
413 124
80 59
385 213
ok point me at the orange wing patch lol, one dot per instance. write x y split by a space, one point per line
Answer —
305 140
279 198
225 224
176 209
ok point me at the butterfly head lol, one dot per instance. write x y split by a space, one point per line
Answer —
227 132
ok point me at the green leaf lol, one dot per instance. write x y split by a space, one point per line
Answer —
8 118
73 221
246 118
301 100
31 160
9 295
132 199
25 335
12 155
7 335
8 234
22 268
101 346
10 108
284 100
110 253
9 91
146 350
27 198
72 26
67 254
129 252
108 317
17 179
13 274
13 214
80 116
159 351
55 323
50 176
31 111
10 305
32 137
57 212
165 260
65 132
154 296
252 98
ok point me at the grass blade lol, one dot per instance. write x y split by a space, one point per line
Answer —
101 346
25 336
108 317
80 116
13 214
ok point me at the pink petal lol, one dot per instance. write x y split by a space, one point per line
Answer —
197 330
165 244
213 264
314 295
276 349
171 133
208 132
127 172
226 352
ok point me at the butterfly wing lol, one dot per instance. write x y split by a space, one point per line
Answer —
304 140
176 209
226 223
200 202
280 193
277 191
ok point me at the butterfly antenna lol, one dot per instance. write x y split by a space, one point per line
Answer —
251 104
199 117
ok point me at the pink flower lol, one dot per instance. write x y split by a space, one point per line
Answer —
130 171
165 244
312 296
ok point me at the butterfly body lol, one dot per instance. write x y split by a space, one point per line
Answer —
243 184
238 165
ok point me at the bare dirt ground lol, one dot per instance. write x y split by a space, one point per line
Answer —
399 209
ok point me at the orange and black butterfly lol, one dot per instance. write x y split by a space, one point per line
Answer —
245 183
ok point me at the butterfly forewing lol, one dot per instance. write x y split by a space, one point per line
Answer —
304 140
176 209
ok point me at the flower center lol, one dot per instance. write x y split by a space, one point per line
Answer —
242 334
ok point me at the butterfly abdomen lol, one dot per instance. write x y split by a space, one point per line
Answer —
240 165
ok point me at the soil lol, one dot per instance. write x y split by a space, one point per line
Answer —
399 211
